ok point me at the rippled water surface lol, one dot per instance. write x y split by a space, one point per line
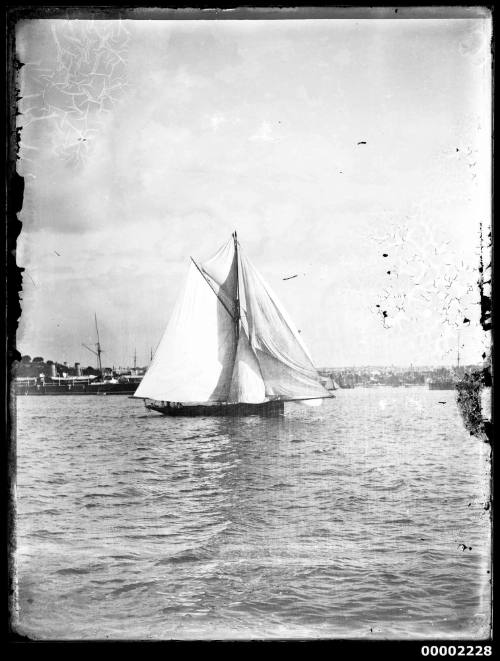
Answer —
345 521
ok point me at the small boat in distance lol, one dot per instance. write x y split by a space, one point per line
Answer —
229 347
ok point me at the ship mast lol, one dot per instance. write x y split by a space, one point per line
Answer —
98 350
98 345
237 313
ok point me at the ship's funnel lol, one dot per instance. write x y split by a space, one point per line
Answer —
78 369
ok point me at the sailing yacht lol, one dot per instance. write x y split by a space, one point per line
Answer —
229 347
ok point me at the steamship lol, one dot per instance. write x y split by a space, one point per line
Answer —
77 384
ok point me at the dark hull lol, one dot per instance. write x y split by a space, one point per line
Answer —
228 410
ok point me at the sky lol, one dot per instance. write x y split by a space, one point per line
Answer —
326 144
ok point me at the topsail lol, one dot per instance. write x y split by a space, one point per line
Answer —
229 340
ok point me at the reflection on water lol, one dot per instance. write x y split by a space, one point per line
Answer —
343 521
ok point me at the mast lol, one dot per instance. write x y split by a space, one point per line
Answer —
98 350
237 314
98 345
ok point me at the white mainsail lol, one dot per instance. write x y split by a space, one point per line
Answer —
209 354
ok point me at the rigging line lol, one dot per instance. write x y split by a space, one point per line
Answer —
212 288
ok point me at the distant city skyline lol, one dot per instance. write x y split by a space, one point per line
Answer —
352 154
71 364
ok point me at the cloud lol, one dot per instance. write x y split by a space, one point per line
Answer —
264 133
224 125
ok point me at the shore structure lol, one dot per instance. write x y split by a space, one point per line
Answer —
51 378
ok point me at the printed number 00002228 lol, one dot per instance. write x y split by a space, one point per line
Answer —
456 650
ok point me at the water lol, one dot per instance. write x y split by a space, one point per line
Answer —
343 521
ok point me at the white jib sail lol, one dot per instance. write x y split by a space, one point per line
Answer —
284 361
195 358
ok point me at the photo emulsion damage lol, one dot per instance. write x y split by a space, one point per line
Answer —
251 394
